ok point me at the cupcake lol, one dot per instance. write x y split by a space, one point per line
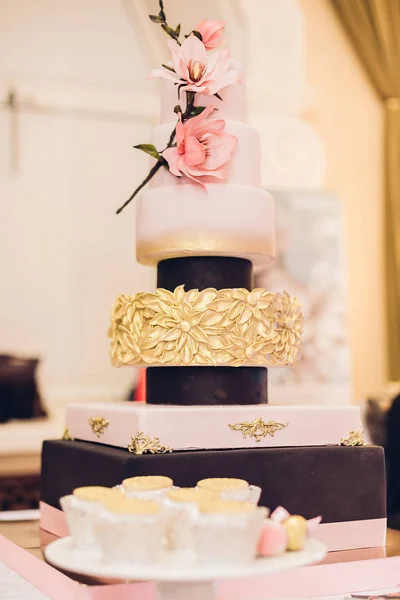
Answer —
182 506
151 487
227 532
80 508
230 488
130 531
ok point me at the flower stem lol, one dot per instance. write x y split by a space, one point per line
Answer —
150 175
190 97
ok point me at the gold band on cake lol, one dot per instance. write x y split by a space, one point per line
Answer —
231 327
175 246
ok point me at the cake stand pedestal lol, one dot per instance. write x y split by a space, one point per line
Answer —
175 578
183 591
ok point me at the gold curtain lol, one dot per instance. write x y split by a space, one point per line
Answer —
374 28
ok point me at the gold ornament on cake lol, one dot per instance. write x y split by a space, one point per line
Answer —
67 435
232 327
142 443
355 438
98 425
258 428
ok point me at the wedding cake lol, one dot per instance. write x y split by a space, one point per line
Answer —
206 337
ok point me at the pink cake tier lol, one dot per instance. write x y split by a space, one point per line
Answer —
214 427
183 220
235 217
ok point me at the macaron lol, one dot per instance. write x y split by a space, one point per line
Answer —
273 539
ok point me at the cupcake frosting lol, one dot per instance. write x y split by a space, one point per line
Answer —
148 483
131 506
95 493
191 495
222 484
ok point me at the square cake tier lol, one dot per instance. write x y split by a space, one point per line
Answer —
212 427
345 485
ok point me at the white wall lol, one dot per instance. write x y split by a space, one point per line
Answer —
64 253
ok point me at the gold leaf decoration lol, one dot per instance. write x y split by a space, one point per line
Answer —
142 443
258 428
226 327
67 435
355 438
98 425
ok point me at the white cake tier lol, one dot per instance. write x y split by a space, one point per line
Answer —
243 169
232 105
219 220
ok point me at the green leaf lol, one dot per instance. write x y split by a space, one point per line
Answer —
169 68
177 109
178 30
168 30
155 19
196 110
218 96
197 34
149 149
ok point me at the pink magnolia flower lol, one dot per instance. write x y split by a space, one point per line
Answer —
196 70
211 33
203 148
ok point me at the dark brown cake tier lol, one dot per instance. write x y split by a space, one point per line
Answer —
201 272
338 482
206 385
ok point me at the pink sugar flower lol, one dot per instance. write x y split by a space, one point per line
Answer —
197 70
203 148
211 33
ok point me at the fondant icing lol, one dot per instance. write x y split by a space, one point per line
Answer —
337 482
244 168
201 272
216 427
217 220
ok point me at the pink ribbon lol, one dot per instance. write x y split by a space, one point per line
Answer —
280 515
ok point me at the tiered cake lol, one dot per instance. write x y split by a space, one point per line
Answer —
207 337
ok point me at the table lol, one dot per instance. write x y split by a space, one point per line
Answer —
27 535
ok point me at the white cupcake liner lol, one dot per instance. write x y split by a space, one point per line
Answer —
227 539
79 515
130 539
250 494
181 519
155 495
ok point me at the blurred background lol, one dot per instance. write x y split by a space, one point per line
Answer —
73 102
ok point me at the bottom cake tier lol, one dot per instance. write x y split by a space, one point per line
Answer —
345 485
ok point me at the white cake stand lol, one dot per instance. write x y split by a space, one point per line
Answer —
175 578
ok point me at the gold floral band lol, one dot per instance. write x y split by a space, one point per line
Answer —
231 327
